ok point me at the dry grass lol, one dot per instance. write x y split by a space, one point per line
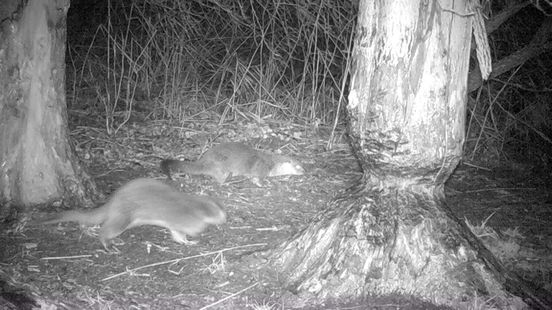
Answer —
238 59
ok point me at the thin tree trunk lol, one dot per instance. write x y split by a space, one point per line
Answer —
37 162
392 233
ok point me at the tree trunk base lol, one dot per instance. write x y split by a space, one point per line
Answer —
400 241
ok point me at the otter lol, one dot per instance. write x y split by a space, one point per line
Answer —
149 202
233 159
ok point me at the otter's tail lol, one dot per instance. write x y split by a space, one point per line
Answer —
91 217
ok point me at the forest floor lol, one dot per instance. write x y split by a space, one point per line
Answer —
66 266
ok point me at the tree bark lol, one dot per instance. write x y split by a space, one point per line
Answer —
392 233
37 162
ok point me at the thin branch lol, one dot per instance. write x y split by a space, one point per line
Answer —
538 45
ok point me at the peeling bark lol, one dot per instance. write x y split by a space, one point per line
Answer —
37 164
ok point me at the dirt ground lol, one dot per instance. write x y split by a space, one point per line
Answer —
65 266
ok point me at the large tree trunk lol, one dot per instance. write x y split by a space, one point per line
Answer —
37 162
393 233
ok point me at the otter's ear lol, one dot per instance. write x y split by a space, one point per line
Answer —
167 165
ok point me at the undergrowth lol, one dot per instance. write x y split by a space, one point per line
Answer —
238 59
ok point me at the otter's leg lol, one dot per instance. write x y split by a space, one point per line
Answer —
112 228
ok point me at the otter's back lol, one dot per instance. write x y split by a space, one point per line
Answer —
145 198
237 159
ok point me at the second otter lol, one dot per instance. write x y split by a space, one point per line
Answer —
232 158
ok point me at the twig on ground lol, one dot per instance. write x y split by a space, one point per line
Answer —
230 296
174 261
